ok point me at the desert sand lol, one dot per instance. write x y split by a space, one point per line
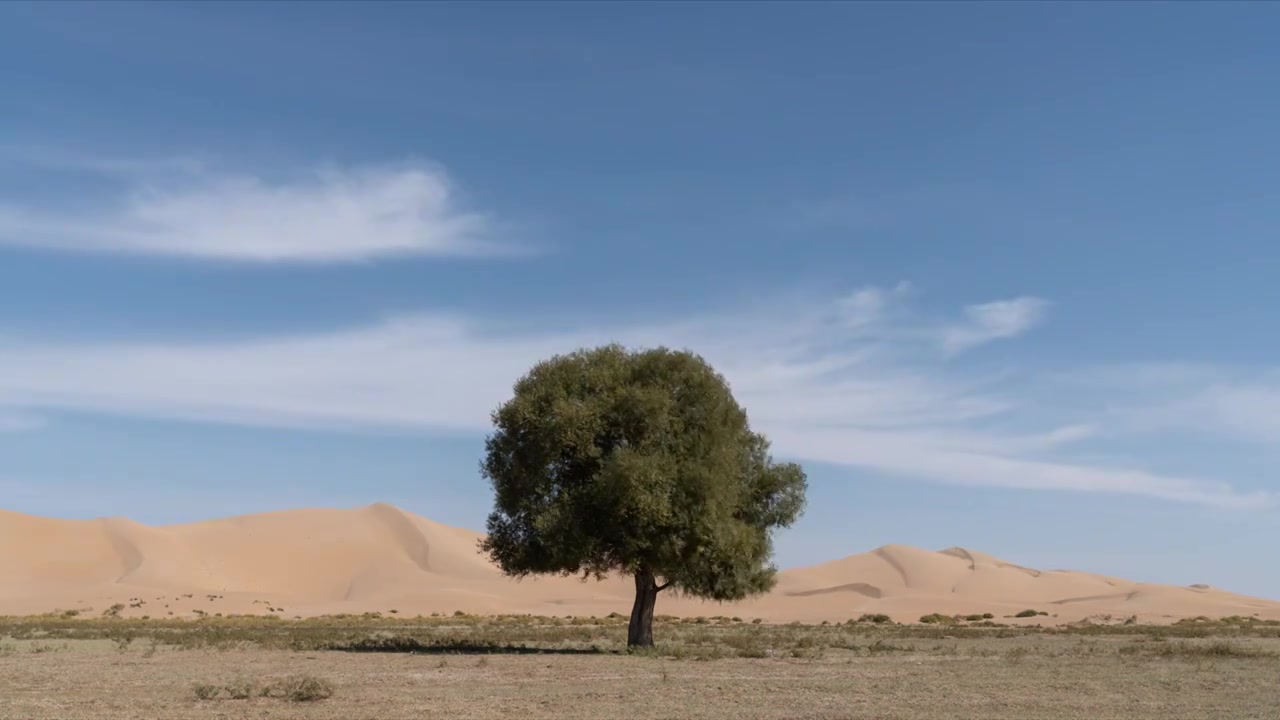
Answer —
379 558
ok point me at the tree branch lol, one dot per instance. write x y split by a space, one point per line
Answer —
663 586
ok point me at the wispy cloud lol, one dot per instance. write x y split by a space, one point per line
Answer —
1250 411
868 305
328 215
927 456
1242 404
993 321
856 390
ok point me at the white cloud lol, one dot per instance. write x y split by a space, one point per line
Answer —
329 215
824 389
1238 403
1248 411
922 456
867 306
993 321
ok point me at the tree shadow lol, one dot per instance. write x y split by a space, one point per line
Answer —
413 646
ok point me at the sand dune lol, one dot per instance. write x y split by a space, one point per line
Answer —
379 558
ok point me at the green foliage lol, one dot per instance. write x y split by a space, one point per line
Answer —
608 460
937 619
877 618
1027 614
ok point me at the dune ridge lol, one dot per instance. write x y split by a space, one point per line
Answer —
380 558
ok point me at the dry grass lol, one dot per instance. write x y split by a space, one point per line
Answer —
468 667
299 688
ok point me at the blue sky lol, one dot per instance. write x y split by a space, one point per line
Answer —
1000 276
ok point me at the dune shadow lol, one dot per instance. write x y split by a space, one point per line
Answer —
412 646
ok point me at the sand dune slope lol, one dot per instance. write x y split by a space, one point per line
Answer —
379 558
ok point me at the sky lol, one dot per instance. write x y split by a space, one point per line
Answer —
1000 276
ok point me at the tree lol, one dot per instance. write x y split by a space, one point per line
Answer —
636 462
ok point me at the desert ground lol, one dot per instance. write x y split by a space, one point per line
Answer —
380 559
472 667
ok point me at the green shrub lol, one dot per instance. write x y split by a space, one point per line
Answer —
877 618
1028 613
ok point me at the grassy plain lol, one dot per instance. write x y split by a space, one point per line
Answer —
471 667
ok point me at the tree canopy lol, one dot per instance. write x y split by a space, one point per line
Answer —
607 460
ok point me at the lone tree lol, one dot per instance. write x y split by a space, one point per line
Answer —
608 460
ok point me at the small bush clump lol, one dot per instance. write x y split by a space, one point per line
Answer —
240 689
301 688
876 618
306 688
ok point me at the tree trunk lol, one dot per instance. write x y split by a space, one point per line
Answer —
640 631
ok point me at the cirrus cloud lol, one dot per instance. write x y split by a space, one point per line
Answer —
327 215
872 395
993 321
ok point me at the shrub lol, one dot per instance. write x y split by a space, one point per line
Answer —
305 688
877 618
880 646
205 691
240 690
122 642
1016 654
1027 614
1217 648
937 619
